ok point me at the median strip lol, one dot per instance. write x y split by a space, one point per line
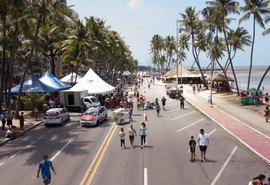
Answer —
90 173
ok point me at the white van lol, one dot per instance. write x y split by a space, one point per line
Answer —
90 101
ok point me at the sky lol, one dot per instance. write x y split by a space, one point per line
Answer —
138 21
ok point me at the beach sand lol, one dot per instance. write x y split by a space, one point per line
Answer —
233 98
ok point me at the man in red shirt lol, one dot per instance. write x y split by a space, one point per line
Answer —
21 118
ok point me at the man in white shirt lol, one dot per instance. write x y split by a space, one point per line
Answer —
203 141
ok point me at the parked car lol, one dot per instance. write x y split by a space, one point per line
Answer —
93 116
56 116
90 101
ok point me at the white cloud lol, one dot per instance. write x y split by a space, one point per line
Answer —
135 3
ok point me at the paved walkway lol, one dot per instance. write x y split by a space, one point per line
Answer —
29 123
247 126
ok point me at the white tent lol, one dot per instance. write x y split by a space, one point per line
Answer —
93 83
70 78
126 73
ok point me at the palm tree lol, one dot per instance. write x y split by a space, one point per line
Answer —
157 46
76 47
191 24
237 39
3 15
255 8
169 48
222 9
42 8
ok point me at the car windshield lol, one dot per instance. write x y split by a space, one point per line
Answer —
94 100
52 113
90 112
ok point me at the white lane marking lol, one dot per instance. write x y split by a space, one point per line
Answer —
61 150
29 145
212 132
14 155
2 163
183 115
41 137
190 125
145 179
224 166
50 131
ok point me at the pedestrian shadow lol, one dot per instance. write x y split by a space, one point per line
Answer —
146 146
138 114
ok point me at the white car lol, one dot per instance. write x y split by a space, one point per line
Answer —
93 116
56 116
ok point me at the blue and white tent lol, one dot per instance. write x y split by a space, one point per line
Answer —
33 84
50 80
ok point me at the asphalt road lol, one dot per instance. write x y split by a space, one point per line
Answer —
70 147
165 160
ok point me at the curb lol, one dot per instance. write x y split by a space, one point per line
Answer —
26 130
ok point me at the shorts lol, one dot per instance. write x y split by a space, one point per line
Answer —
131 138
47 179
203 148
192 149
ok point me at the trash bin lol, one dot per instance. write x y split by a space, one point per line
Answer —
247 100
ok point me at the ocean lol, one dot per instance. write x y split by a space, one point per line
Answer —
256 75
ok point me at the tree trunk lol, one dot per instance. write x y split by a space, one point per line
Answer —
12 54
52 63
28 61
265 73
196 58
3 71
251 54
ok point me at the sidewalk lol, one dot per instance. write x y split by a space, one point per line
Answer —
29 123
246 126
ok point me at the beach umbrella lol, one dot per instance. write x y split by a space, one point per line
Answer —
253 90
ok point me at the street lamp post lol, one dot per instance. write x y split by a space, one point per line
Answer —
177 52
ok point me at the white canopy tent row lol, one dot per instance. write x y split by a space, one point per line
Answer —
93 84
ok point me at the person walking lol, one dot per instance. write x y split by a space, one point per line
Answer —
266 113
268 181
3 120
182 101
266 98
132 133
143 133
203 141
44 167
192 146
163 101
9 119
130 112
158 109
122 138
21 119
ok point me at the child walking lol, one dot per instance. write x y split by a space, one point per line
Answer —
192 146
122 138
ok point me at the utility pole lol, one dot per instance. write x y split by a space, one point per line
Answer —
177 52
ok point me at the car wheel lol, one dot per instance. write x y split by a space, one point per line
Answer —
97 122
106 116
62 122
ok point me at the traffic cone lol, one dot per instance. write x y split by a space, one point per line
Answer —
145 118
